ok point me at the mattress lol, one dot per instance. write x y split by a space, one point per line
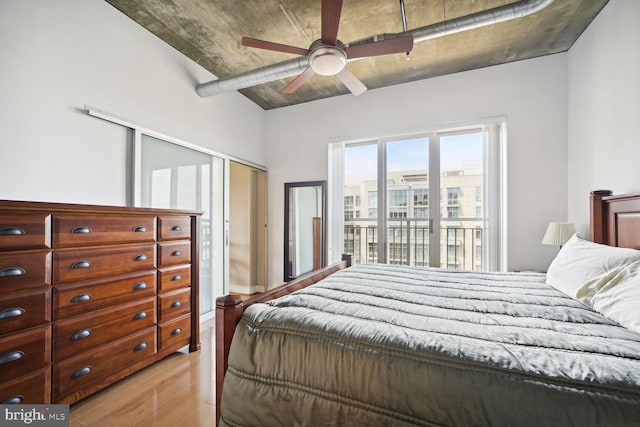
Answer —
393 345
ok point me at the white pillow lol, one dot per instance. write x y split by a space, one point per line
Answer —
582 267
619 298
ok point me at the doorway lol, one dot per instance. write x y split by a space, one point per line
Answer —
247 233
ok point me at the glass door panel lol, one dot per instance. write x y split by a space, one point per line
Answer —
361 202
462 209
177 177
407 220
433 191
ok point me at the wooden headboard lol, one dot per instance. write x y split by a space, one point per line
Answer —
615 220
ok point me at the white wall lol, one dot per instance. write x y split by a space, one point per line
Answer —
533 96
57 57
604 108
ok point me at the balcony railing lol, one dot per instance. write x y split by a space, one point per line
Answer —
408 244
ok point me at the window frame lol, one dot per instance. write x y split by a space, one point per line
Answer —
493 197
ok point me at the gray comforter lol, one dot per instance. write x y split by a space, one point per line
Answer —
378 345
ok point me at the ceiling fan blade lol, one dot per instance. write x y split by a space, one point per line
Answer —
261 44
298 81
351 82
331 10
400 44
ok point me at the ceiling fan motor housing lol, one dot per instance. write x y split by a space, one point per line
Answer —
327 60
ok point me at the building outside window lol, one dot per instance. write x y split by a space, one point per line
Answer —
348 207
421 203
398 203
397 253
373 204
421 254
453 194
372 244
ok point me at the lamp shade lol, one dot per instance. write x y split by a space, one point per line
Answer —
558 233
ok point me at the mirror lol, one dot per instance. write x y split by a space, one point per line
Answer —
304 227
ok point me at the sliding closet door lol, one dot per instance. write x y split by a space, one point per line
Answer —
177 177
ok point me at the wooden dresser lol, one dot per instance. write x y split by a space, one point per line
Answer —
91 294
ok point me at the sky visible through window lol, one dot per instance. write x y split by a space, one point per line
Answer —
412 155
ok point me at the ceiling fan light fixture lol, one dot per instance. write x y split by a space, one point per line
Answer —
327 60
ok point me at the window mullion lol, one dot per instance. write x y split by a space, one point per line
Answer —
434 200
382 202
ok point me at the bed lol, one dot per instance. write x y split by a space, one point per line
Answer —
395 345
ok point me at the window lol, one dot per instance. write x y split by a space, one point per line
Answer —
372 244
452 257
373 204
452 196
431 182
348 207
421 255
398 203
421 203
397 253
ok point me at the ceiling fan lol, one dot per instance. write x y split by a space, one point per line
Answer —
328 56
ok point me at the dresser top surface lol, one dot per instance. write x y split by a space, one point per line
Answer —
18 205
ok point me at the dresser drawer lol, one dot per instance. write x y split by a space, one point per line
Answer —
88 230
174 304
174 227
70 265
174 333
83 333
24 352
174 253
171 278
25 231
24 270
77 373
34 388
83 297
22 310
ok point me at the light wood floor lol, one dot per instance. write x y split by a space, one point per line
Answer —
176 391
